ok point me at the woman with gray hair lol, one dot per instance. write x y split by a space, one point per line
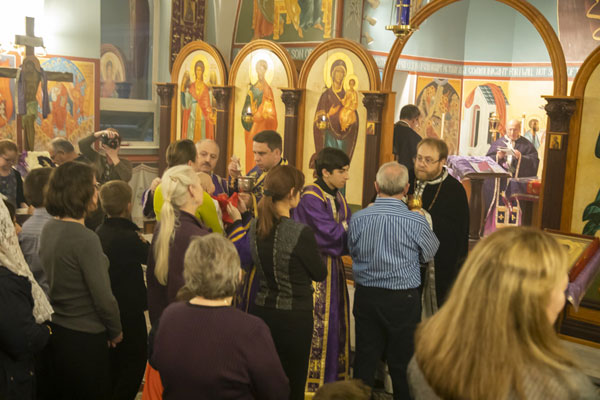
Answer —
243 361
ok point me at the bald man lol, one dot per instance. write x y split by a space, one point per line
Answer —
208 155
523 151
523 163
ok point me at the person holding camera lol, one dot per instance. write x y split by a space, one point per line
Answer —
108 165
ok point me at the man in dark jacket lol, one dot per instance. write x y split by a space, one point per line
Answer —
444 199
406 138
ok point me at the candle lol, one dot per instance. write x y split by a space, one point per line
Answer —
443 120
404 12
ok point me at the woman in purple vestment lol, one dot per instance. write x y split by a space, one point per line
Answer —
323 207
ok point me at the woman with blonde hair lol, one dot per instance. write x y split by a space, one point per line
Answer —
494 337
182 195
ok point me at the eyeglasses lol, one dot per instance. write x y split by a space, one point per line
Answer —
425 160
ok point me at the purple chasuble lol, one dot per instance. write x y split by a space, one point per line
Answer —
221 185
529 165
330 348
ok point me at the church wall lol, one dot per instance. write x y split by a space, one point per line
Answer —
490 32
441 36
118 34
72 28
219 29
164 74
535 49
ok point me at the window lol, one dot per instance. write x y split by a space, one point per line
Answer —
128 66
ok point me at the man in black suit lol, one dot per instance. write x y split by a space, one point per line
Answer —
405 137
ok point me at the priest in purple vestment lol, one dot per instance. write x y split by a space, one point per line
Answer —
515 154
323 207
208 155
267 148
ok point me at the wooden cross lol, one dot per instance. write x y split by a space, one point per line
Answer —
31 71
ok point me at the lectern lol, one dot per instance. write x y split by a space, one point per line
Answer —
476 169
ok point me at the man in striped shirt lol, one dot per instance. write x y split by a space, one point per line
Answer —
388 243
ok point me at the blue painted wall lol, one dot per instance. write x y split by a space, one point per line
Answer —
469 30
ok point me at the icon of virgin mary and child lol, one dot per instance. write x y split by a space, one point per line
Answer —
336 119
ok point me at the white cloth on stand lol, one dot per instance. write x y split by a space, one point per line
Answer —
140 181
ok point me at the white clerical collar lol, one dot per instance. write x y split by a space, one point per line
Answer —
420 185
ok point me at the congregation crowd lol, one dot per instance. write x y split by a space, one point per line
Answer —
246 288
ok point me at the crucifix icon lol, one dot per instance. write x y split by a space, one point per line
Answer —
31 74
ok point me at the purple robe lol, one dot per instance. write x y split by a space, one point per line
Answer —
248 288
330 348
529 165
221 185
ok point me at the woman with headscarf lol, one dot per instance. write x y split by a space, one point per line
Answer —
23 310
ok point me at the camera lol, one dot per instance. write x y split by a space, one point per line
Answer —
113 143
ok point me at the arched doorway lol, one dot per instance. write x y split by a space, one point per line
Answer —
541 24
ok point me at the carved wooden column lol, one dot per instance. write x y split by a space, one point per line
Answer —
373 102
221 95
560 110
291 99
165 91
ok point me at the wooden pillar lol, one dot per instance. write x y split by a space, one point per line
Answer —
559 110
165 91
291 99
221 95
373 102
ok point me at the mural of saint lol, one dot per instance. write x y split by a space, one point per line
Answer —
72 105
109 85
198 117
262 18
258 113
270 17
336 118
60 104
591 214
440 107
6 98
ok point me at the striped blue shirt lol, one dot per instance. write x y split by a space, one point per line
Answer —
387 243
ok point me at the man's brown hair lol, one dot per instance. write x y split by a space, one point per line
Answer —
115 196
70 190
7 145
180 152
437 144
35 185
410 112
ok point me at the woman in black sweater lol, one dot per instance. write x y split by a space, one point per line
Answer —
287 260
